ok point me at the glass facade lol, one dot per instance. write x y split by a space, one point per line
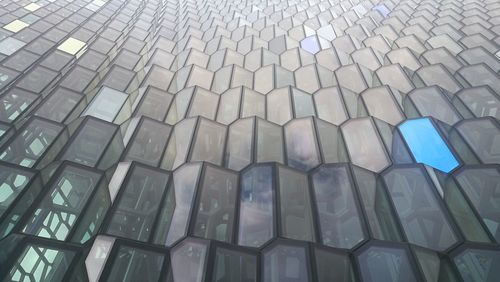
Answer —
250 140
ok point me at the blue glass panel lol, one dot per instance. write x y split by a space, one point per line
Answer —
382 9
426 144
310 44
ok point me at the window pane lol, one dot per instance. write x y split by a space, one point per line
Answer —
215 217
256 224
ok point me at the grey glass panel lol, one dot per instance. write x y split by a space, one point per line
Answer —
188 261
256 222
269 142
301 144
204 104
295 204
284 263
380 104
483 138
154 104
363 144
229 106
56 215
234 266
279 107
332 266
15 103
175 214
339 218
330 105
59 105
239 144
106 104
379 214
422 216
31 143
135 211
478 265
216 208
253 104
481 101
149 142
386 264
90 142
178 144
133 264
482 186
431 101
209 143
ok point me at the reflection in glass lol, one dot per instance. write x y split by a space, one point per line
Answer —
295 205
137 205
386 264
285 263
215 214
301 144
188 261
256 223
339 218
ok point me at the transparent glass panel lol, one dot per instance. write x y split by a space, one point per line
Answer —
133 264
483 137
302 149
339 217
38 263
216 209
295 205
478 265
269 142
137 205
149 142
31 142
239 145
175 213
14 103
481 185
386 264
56 215
256 222
283 263
364 145
188 261
332 266
423 217
209 142
178 144
59 105
90 143
234 266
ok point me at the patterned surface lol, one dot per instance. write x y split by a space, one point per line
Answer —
210 140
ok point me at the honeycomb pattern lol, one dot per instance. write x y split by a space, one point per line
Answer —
249 140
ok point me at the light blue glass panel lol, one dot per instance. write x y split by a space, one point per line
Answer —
310 44
382 9
426 144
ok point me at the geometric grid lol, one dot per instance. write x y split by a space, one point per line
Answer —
250 140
